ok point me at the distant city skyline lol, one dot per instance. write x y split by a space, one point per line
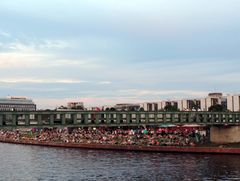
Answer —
107 52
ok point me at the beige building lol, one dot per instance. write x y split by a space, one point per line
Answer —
149 106
156 106
163 104
189 104
213 99
233 103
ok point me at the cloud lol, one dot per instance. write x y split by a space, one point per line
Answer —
104 82
123 96
50 81
232 77
26 44
5 34
41 81
31 55
43 103
103 53
148 93
88 101
54 44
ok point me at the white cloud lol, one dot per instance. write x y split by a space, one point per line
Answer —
150 93
87 100
49 81
5 34
45 44
104 82
40 81
54 44
123 96
20 55
233 77
40 89
43 103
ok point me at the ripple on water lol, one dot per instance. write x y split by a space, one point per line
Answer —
19 162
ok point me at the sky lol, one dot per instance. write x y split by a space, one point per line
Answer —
129 51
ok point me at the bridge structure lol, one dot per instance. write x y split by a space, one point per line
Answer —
114 118
224 126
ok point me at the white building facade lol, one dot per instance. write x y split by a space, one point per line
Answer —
17 104
233 103
212 100
230 102
149 106
189 104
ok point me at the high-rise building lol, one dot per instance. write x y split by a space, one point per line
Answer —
189 104
233 103
212 100
149 106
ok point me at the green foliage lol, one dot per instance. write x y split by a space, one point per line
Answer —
217 108
171 108
112 109
194 106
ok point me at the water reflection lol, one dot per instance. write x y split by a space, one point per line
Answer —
20 162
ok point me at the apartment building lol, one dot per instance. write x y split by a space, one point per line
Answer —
213 99
149 106
189 104
233 103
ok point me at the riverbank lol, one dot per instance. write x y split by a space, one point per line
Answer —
217 149
148 139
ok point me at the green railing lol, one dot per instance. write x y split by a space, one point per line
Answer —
100 118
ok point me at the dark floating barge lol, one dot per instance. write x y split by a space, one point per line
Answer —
170 149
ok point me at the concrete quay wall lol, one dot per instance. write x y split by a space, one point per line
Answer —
225 134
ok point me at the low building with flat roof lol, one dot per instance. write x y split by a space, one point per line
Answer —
75 105
17 104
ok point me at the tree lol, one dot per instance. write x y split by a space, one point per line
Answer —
217 108
141 109
112 109
195 106
170 108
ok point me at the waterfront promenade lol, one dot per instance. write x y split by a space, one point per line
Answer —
122 130
149 136
151 139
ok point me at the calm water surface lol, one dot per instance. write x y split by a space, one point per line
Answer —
19 162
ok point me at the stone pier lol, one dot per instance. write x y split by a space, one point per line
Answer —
225 134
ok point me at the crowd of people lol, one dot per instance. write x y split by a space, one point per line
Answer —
144 136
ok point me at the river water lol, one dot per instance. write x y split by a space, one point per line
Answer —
21 162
